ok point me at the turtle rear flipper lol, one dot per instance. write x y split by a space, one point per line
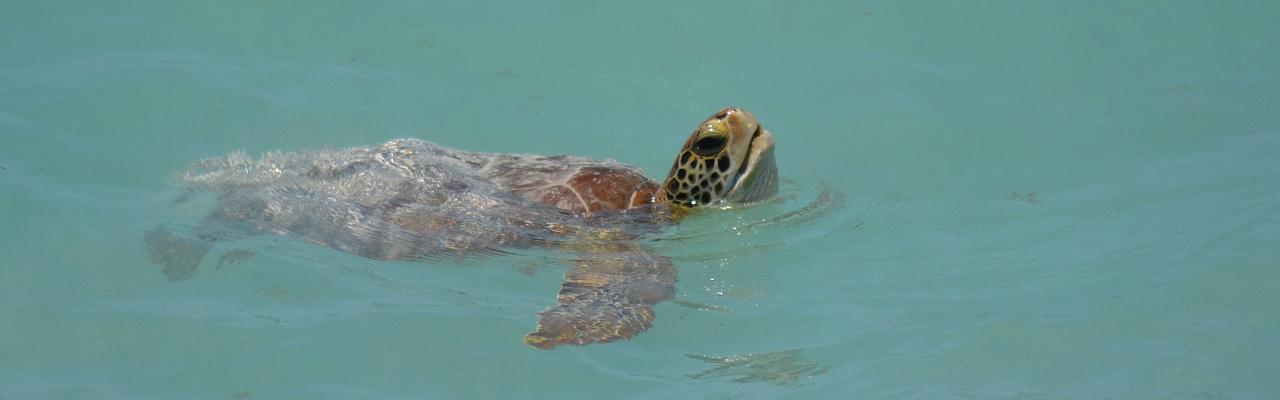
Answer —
178 256
607 296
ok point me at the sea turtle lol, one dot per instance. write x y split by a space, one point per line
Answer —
409 199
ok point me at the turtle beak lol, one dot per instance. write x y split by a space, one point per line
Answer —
758 178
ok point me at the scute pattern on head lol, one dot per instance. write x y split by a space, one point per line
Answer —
716 157
699 180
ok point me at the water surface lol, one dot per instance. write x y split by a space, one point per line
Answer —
1054 200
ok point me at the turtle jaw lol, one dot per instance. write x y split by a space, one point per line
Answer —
757 179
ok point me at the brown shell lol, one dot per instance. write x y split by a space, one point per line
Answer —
573 184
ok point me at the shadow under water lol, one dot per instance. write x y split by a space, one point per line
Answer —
786 367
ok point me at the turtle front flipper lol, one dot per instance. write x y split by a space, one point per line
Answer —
608 295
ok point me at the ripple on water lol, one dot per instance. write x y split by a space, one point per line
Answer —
724 258
329 87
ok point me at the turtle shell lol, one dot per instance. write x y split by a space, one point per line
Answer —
408 198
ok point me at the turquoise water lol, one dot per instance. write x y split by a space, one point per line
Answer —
1031 200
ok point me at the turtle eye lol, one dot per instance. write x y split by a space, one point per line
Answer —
708 145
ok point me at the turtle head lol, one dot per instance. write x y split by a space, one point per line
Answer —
729 158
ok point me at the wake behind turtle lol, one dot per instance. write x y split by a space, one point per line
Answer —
409 199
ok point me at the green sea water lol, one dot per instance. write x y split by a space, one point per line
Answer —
1028 200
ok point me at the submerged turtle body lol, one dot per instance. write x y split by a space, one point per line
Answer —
409 199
